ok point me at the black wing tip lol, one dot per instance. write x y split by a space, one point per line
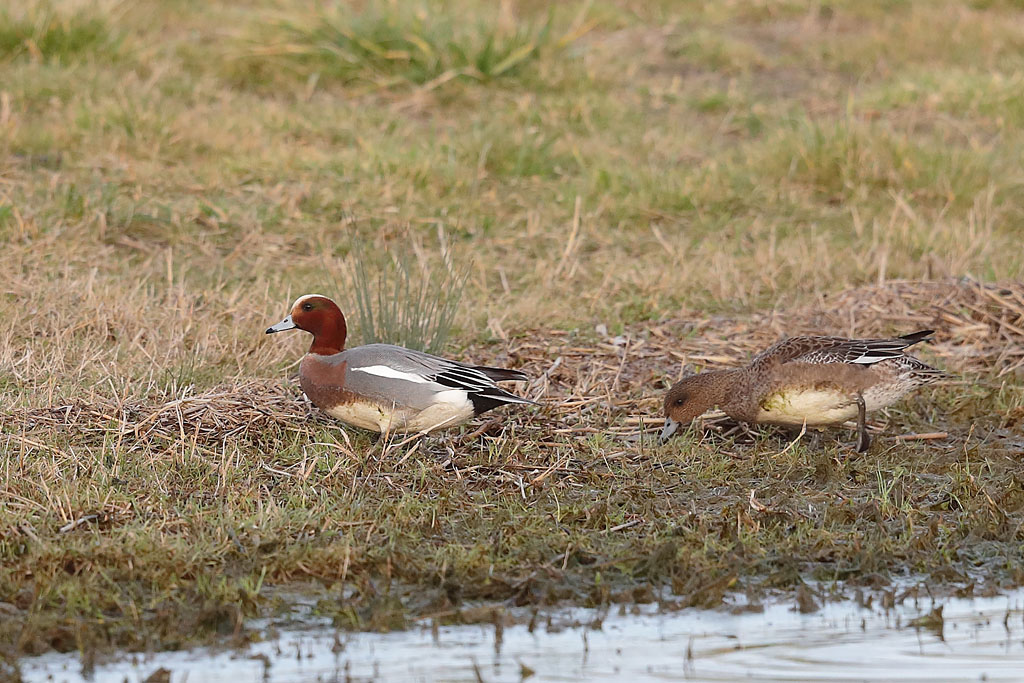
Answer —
916 337
506 396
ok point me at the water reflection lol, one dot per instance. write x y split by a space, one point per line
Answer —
969 640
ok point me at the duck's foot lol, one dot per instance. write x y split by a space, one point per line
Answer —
863 442
815 438
485 428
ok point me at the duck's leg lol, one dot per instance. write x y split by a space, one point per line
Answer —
863 439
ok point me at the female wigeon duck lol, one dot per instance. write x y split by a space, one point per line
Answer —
806 380
385 388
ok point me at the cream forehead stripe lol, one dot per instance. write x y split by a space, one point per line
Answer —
307 296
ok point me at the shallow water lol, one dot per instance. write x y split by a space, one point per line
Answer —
980 639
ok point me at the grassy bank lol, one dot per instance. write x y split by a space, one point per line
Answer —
695 180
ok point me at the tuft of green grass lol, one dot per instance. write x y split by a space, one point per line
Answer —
856 159
45 35
384 47
405 304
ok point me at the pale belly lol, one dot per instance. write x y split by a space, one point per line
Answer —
811 406
450 409
364 415
822 406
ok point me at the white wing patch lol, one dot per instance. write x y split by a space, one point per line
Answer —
870 358
456 397
391 373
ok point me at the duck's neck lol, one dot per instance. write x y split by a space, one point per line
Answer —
722 386
732 398
329 339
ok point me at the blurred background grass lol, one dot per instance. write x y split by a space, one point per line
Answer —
175 173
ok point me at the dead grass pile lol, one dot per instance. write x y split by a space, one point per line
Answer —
197 422
249 479
589 383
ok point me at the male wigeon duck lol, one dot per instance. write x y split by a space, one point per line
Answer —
385 388
811 381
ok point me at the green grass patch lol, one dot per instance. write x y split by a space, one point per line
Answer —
401 302
386 48
43 34
859 159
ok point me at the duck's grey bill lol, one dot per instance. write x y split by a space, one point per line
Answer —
285 324
670 428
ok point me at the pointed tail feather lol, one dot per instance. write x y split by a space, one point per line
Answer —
922 373
492 398
928 375
917 337
502 374
510 398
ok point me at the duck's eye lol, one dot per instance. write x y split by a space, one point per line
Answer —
680 401
307 307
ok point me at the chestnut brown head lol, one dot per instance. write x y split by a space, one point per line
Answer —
319 316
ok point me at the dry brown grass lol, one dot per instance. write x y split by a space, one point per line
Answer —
979 336
139 497
697 179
